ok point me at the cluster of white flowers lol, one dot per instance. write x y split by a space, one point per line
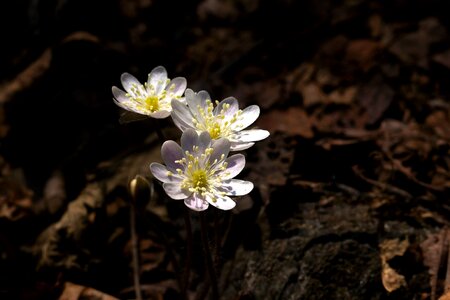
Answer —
200 171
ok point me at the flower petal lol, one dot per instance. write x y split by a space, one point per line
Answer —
157 77
130 106
251 135
162 174
236 187
204 141
221 148
182 114
179 122
160 114
196 101
248 116
175 192
189 139
170 152
129 81
221 202
177 86
196 202
235 164
227 112
119 95
236 146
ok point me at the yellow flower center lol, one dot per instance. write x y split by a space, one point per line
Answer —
152 103
199 179
217 125
214 130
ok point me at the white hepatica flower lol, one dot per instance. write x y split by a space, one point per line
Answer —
153 97
200 173
225 120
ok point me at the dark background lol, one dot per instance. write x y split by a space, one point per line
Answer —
356 97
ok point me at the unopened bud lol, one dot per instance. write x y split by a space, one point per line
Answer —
140 190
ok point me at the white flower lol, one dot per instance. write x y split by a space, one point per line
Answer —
200 173
154 97
225 120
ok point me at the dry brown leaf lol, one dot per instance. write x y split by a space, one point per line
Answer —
390 249
293 121
15 197
413 48
446 296
375 97
362 52
344 96
434 249
391 279
152 255
312 94
74 292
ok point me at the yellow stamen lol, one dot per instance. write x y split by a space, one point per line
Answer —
152 103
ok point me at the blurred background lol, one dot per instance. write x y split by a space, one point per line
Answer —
351 188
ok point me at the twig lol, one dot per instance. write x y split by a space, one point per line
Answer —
382 185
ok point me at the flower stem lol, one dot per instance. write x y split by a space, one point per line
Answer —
187 264
207 253
159 131
135 253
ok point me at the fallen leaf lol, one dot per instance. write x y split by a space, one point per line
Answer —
375 97
390 249
343 96
312 94
74 291
435 250
293 121
362 52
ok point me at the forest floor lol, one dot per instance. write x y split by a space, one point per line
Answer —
351 197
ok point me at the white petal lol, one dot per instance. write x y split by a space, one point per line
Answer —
221 202
196 101
175 192
119 95
129 81
182 112
177 86
160 114
179 122
204 141
229 112
162 174
189 139
221 148
236 187
157 77
251 135
130 106
249 115
170 152
236 146
196 203
121 104
235 165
